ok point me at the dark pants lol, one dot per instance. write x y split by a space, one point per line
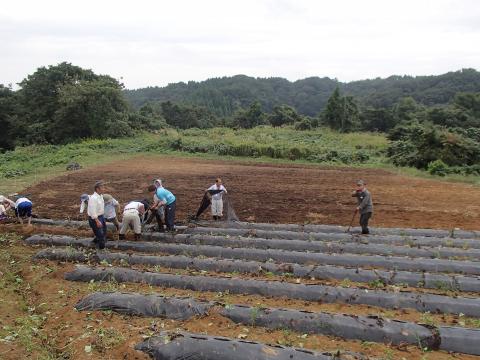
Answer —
170 215
24 209
159 219
364 222
99 232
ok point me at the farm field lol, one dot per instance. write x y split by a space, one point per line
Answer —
40 321
278 193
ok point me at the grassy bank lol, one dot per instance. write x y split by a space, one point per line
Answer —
27 165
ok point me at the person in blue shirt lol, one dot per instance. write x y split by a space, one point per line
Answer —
168 200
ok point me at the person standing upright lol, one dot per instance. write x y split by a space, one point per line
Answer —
217 191
167 199
96 218
365 205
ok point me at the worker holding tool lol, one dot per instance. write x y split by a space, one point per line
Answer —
156 211
365 205
217 190
132 214
169 201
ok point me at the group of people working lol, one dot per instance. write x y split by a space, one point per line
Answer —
102 208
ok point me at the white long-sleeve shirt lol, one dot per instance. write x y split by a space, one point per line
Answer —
219 195
96 206
134 206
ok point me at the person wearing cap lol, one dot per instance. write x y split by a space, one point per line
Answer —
365 205
83 202
96 212
167 199
217 191
131 218
111 208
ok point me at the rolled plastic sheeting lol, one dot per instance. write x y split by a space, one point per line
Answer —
233 234
178 346
369 261
327 247
413 279
144 305
342 229
322 293
462 340
344 326
364 328
68 223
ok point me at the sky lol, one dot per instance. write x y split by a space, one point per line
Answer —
154 43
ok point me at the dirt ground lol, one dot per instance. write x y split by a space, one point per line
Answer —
271 192
64 333
37 315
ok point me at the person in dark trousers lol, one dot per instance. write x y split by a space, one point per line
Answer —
365 205
96 219
167 199
157 211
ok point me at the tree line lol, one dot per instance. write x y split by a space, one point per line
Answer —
224 96
431 126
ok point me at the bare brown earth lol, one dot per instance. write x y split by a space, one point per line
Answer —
272 192
261 193
66 332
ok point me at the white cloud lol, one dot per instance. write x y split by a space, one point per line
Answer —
158 42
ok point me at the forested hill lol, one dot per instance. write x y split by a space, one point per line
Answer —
224 95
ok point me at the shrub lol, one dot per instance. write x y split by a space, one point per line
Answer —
438 167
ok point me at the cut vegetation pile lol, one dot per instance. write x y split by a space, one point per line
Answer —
403 270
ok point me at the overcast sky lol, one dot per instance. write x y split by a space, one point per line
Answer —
153 43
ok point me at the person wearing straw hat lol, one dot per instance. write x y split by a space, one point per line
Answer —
365 205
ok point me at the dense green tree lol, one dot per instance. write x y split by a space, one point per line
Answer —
7 118
341 112
39 98
185 117
90 108
251 117
373 119
283 115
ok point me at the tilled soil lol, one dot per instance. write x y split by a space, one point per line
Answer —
271 192
70 332
260 193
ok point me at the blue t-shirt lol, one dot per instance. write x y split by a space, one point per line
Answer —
165 195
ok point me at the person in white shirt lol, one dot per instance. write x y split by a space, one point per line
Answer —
131 218
216 192
96 218
111 208
23 209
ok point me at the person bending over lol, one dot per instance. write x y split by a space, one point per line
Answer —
131 219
